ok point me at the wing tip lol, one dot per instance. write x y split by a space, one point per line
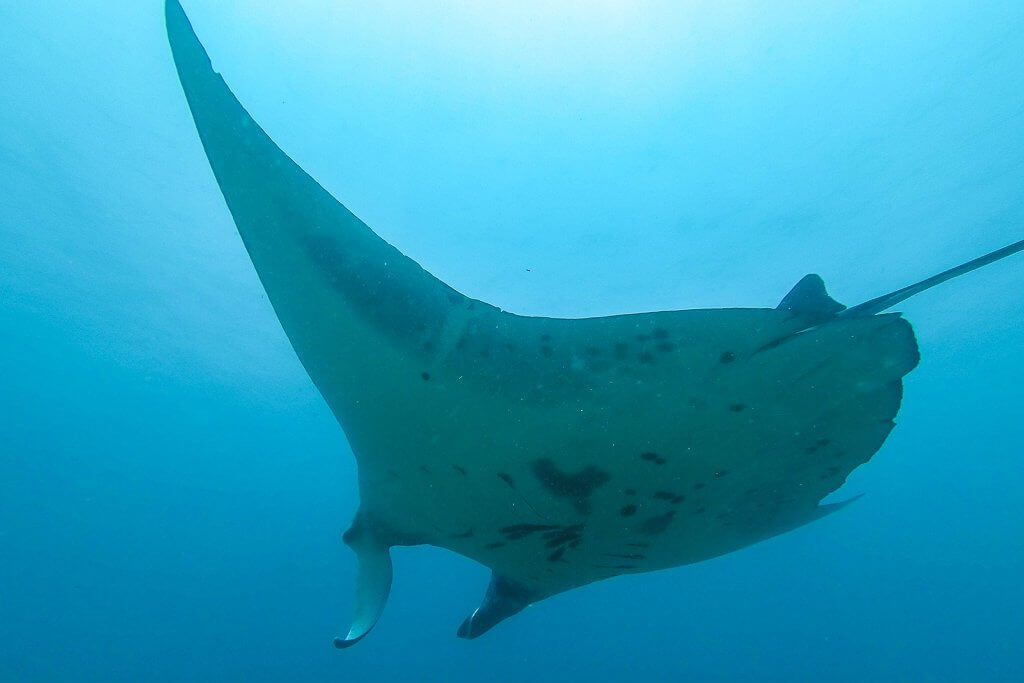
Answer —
176 19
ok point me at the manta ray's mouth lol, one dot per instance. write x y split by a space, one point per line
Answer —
557 452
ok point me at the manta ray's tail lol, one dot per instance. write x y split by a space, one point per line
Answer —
881 303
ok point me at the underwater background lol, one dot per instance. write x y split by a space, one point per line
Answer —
172 487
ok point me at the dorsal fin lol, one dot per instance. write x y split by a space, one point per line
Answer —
809 298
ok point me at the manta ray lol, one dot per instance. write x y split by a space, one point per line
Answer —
556 452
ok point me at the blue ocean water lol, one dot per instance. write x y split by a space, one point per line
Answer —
173 489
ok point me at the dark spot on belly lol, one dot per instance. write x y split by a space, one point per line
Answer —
737 407
670 497
454 298
665 347
660 333
630 492
701 510
649 456
425 376
518 531
460 470
699 485
494 544
424 469
562 536
820 443
657 524
750 492
593 351
573 486
727 357
556 556
574 542
628 510
369 287
465 534
507 479
428 346
721 473
621 350
830 472
637 545
774 343
646 357
545 337
626 556
546 350
642 337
